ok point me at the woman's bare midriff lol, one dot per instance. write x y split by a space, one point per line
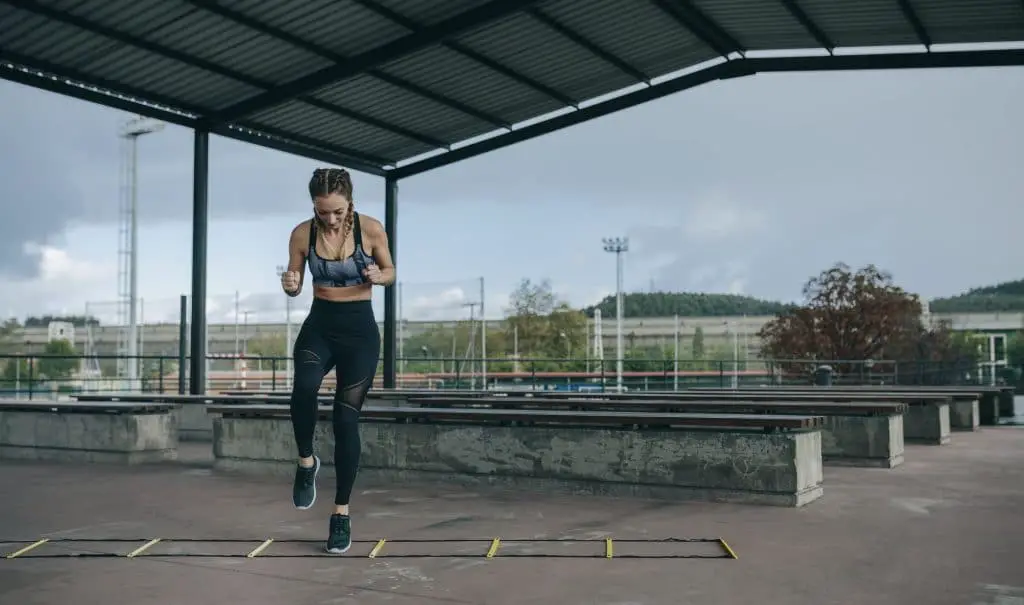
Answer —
347 294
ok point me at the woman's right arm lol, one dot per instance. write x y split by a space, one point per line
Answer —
297 255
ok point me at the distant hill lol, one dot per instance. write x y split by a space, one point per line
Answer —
687 304
1007 296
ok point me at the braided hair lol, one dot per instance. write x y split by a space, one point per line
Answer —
327 181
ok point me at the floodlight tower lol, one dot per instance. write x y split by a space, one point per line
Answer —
128 274
618 245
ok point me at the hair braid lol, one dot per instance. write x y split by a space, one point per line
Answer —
327 181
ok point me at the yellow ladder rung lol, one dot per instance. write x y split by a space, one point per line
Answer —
24 550
262 547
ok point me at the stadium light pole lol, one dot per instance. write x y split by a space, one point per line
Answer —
130 132
617 245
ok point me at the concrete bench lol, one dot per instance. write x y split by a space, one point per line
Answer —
925 421
852 434
194 424
760 458
126 432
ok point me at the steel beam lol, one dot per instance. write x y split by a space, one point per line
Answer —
200 229
723 70
407 45
390 348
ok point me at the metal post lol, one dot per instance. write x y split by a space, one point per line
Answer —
675 358
401 334
618 245
236 323
182 344
200 211
133 271
735 354
483 338
131 131
281 269
390 293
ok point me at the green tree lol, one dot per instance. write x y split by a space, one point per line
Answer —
1015 349
697 350
686 304
59 360
268 345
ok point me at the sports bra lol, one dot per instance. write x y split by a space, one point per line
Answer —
338 273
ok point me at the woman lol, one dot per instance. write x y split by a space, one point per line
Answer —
347 255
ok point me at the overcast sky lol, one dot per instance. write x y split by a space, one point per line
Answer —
748 185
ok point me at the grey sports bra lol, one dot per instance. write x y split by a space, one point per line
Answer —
338 273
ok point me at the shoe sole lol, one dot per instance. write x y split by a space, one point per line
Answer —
316 472
338 551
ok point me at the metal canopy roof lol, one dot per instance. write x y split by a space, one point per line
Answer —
376 84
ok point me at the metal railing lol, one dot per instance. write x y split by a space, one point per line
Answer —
51 376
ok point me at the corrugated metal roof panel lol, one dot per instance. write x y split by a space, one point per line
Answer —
309 121
635 31
38 37
383 101
757 25
237 48
342 27
861 22
455 76
429 12
542 54
148 71
619 27
959 22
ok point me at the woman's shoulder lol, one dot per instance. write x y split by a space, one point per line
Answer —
301 231
370 225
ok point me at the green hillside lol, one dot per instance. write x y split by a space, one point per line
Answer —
687 304
1007 296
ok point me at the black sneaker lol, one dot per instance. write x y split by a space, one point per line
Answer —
340 538
304 488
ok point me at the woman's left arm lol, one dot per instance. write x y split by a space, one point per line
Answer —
381 253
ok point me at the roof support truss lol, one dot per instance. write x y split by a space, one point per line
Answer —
911 15
709 32
418 40
299 42
118 36
491 64
808 24
720 71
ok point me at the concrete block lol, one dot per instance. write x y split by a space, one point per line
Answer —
927 423
783 469
194 424
875 441
989 408
88 437
964 414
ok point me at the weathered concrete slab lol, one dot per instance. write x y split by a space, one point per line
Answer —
875 441
927 424
194 424
88 432
964 413
783 468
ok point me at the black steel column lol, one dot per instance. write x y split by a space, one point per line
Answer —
200 216
182 345
390 292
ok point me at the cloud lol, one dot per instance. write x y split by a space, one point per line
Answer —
61 284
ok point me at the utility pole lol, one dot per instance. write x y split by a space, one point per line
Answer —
617 245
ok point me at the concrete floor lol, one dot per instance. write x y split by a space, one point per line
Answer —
945 528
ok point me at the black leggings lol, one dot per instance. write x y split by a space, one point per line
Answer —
343 336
